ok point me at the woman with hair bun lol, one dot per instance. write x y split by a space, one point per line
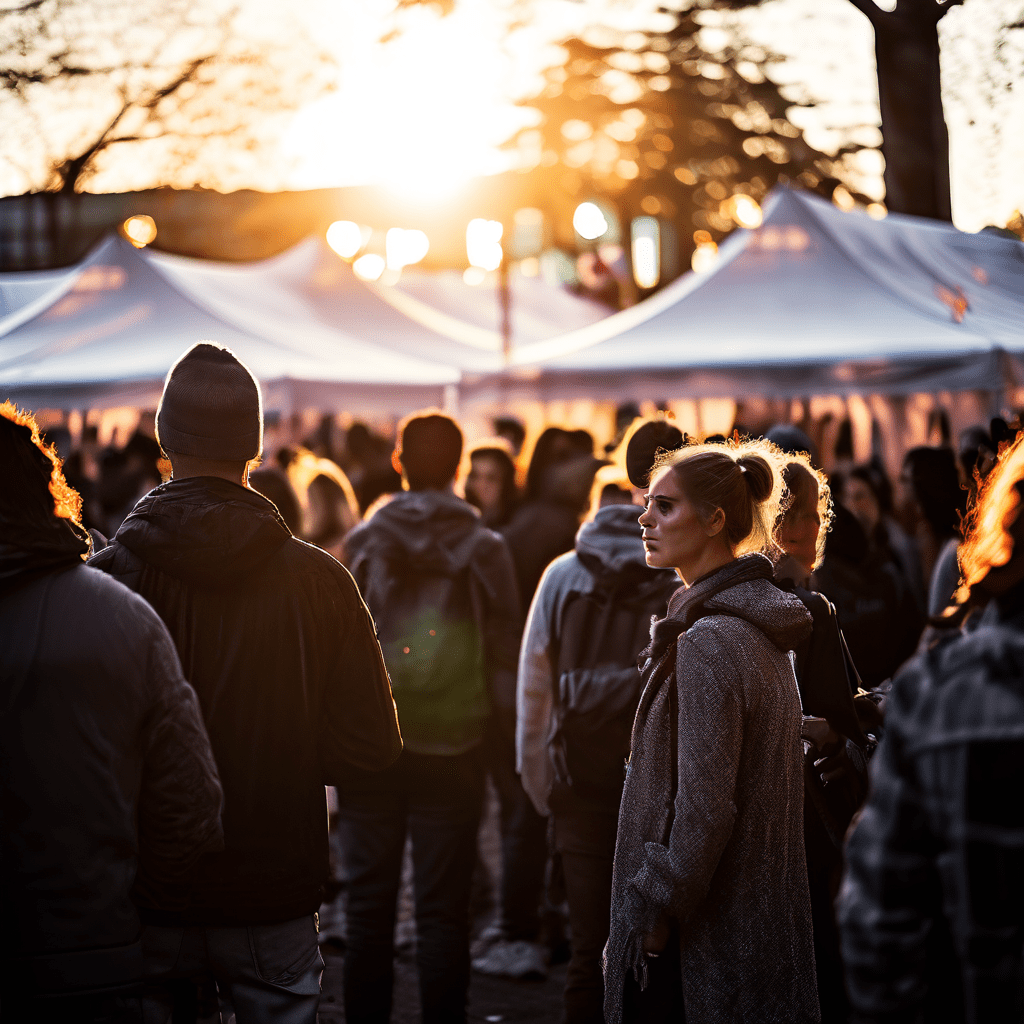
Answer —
711 918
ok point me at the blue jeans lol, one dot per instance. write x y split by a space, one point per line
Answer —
270 972
437 802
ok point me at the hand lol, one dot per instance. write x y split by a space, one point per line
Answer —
834 765
657 940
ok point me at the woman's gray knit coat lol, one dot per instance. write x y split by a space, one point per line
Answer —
731 873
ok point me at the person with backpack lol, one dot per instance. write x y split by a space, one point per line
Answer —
578 689
442 591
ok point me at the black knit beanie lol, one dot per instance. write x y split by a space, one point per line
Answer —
211 407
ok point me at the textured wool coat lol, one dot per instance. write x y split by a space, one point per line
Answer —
724 859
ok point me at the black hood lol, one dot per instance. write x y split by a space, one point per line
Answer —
203 530
428 530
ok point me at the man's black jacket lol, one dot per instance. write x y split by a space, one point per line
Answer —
281 650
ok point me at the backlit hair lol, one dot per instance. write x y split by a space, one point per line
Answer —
743 478
988 542
799 474
67 502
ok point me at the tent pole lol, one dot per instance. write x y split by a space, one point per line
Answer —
505 305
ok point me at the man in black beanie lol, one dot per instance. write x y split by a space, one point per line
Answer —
280 648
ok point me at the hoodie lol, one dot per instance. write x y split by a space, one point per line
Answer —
281 650
710 833
442 590
609 555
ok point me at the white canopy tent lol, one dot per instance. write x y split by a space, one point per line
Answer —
815 301
423 315
108 330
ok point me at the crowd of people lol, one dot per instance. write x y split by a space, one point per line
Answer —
753 730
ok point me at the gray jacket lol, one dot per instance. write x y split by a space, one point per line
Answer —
724 859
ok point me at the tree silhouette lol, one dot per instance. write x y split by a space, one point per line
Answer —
659 125
169 77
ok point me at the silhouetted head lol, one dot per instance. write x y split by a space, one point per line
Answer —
210 417
491 481
429 450
931 490
37 506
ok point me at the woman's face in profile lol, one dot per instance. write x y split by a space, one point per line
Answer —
674 536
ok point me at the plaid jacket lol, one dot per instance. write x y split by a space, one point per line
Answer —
932 905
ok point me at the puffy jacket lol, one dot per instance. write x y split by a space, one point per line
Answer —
281 650
108 788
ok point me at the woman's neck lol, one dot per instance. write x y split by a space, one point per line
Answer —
712 558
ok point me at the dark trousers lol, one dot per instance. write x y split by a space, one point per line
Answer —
585 838
524 842
436 801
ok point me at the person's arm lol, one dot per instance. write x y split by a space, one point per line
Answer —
675 877
890 890
180 796
534 697
359 722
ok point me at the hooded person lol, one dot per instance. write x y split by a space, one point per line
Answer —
578 688
281 650
108 788
442 590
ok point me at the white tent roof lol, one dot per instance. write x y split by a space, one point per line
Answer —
309 284
471 314
815 301
109 330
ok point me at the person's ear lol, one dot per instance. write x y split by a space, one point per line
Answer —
396 461
715 523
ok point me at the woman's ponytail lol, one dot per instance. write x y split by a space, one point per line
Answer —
758 476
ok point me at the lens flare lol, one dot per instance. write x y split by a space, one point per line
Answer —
369 267
483 243
589 221
140 230
346 238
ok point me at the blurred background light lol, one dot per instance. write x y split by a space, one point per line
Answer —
140 230
589 221
742 210
346 238
483 243
704 257
474 276
369 267
646 252
403 248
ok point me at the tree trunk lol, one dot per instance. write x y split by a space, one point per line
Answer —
915 142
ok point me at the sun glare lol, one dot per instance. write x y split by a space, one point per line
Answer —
420 114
